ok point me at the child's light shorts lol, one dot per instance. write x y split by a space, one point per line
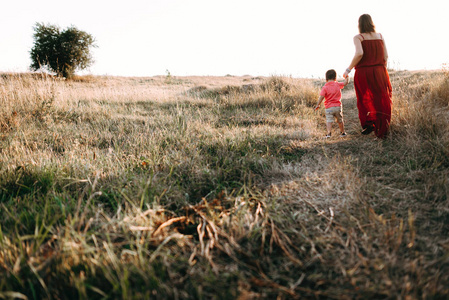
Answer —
333 113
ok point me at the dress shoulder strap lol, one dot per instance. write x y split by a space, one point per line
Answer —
363 38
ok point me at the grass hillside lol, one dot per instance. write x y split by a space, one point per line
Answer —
219 188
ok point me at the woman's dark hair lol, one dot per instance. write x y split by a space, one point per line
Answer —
366 24
331 75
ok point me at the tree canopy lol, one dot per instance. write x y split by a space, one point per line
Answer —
61 51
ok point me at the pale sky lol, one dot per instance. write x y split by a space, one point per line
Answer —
238 37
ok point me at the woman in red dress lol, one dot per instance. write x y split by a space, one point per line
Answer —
371 79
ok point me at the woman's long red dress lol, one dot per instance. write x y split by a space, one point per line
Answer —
373 88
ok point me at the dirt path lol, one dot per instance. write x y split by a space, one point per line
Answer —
349 101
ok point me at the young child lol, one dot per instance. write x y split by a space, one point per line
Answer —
331 93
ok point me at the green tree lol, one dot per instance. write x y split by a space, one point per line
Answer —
61 51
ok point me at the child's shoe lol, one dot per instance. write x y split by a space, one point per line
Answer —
343 134
328 135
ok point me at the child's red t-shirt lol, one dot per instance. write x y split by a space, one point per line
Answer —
332 93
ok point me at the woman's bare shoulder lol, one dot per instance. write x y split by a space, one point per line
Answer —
358 37
368 36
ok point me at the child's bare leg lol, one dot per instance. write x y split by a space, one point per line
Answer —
342 127
329 127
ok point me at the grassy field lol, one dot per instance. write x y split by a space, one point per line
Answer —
219 188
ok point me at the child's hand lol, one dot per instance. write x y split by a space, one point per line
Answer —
317 107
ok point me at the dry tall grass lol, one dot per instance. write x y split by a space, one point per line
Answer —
220 188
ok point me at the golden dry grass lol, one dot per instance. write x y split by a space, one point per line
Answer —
219 188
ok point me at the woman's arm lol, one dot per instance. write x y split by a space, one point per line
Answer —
357 56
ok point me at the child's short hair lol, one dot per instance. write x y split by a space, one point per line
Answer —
331 75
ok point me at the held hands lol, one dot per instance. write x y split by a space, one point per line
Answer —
346 73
